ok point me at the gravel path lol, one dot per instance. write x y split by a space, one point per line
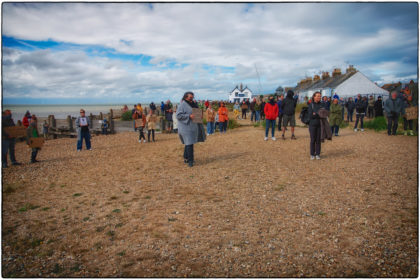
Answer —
248 208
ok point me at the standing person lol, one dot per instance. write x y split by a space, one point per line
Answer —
335 117
139 115
244 108
104 126
341 102
45 127
288 106
223 117
152 107
7 142
262 108
132 113
252 108
271 111
26 119
393 108
279 104
162 108
236 108
187 130
210 116
175 121
257 110
350 105
408 103
168 115
365 103
83 123
32 132
207 103
360 112
326 103
379 111
151 125
371 106
315 125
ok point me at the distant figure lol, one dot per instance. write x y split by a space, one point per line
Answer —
223 117
175 121
83 123
408 103
326 103
210 116
252 108
350 105
288 107
104 126
365 103
271 111
258 110
244 108
151 125
262 109
315 125
138 115
7 142
360 112
125 109
168 115
279 103
335 117
162 106
379 111
45 128
236 109
32 132
207 104
393 107
132 113
152 107
371 106
26 119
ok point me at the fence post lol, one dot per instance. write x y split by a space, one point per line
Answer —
70 123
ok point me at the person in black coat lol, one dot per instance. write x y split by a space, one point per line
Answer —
315 125
379 111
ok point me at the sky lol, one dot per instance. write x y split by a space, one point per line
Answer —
79 53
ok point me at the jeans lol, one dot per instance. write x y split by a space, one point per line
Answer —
84 135
359 116
334 129
408 123
223 126
141 133
392 124
210 127
8 145
350 116
257 115
152 131
134 125
280 120
104 131
269 123
315 144
244 113
189 153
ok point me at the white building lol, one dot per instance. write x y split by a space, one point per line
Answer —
240 94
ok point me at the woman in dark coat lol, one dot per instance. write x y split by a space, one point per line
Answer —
378 107
315 125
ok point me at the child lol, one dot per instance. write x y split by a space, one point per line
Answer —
138 115
45 127
32 132
105 127
151 125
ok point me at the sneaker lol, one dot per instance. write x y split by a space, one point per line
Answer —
312 157
16 163
139 140
355 129
208 134
78 150
293 137
90 149
265 138
273 138
362 129
336 134
317 157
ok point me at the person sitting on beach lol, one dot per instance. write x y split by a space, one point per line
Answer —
26 119
45 127
7 142
83 123
32 132
151 125
138 115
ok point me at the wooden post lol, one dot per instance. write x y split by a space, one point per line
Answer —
54 124
101 115
162 124
70 123
91 116
111 121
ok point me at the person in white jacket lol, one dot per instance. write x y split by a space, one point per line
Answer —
175 121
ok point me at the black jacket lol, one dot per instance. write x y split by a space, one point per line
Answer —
288 106
314 108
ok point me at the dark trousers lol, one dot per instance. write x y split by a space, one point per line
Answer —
141 133
315 144
223 126
244 113
8 146
350 116
408 124
392 124
86 136
189 153
334 129
359 117
253 116
33 154
370 112
104 131
152 131
280 120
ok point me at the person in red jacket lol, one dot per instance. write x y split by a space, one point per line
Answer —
271 111
26 119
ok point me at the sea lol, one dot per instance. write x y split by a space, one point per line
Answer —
60 111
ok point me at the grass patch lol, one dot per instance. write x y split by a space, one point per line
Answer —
172 219
57 269
75 268
343 124
378 124
10 188
62 186
63 209
113 197
119 225
99 229
111 233
320 213
85 219
116 210
126 192
28 207
77 194
121 254
147 197
279 188
45 208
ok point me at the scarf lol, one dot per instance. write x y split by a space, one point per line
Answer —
193 104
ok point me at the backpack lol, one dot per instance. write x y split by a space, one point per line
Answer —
304 115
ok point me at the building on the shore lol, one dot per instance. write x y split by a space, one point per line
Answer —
239 93
345 85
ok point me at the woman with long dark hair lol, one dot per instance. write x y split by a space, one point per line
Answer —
315 125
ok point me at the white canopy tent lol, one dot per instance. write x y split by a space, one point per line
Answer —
359 84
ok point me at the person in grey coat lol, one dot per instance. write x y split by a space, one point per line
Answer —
393 107
83 123
187 129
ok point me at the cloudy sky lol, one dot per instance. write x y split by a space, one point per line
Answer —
139 52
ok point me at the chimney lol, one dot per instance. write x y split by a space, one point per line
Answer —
336 72
242 87
316 78
325 75
350 69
